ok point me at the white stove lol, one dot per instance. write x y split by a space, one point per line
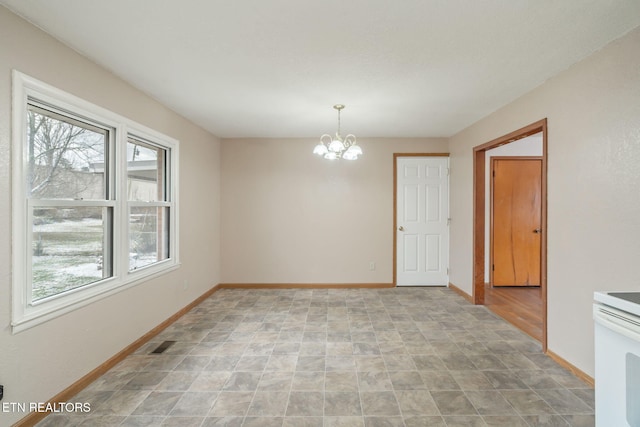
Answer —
617 357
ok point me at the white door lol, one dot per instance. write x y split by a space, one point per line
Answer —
422 233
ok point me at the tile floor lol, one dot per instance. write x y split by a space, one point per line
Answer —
337 358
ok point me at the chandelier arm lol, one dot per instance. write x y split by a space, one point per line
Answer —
322 139
350 140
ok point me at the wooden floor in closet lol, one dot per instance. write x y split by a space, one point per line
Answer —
521 306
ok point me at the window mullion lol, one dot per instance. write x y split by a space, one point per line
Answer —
29 254
159 204
121 236
71 203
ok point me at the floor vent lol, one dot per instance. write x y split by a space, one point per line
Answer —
162 347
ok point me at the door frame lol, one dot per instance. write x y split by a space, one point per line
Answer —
491 219
395 204
479 214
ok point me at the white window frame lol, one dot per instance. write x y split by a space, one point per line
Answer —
26 313
146 139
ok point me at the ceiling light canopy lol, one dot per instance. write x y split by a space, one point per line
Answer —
333 148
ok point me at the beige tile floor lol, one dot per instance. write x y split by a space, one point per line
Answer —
337 358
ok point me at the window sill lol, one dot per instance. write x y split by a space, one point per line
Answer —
57 307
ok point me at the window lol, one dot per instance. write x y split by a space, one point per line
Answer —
148 203
69 201
94 202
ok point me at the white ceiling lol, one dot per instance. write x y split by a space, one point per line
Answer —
274 68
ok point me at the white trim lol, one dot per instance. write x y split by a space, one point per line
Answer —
149 204
34 320
19 208
72 203
27 314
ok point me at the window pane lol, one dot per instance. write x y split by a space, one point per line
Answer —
145 172
148 236
66 158
70 249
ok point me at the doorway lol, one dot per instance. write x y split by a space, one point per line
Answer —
481 287
421 220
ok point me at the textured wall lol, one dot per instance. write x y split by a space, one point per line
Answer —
289 216
40 362
593 179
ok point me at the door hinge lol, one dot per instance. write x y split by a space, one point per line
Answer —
448 221
494 174
447 271
493 267
448 171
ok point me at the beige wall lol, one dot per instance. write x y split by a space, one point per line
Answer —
593 113
40 362
289 216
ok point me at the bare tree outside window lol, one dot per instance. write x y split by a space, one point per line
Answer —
66 161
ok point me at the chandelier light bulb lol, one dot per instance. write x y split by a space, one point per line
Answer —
320 149
336 146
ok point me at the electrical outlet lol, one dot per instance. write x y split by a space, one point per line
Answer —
372 266
185 285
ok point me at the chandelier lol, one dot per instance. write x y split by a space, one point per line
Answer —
332 148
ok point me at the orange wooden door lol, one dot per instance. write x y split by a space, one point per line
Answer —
516 215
